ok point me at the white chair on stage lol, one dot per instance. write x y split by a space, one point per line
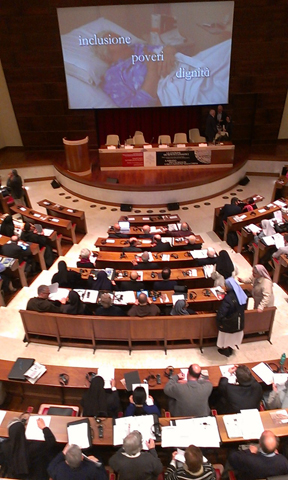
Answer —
180 138
195 137
139 139
112 140
164 139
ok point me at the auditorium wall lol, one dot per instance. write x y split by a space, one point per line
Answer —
30 52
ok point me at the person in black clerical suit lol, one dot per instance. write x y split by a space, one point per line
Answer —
14 250
133 284
211 126
191 244
230 209
159 246
165 283
132 245
107 308
144 263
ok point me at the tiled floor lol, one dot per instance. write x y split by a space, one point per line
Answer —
98 219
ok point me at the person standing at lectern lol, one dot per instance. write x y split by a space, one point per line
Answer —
211 126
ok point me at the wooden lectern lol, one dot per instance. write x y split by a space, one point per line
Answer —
77 156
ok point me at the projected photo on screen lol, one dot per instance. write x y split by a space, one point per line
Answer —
127 56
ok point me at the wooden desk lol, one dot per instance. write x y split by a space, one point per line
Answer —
35 249
18 271
62 226
181 275
170 157
6 208
280 266
256 216
150 219
106 259
59 211
117 244
138 231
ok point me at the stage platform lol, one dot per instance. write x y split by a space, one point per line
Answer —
140 187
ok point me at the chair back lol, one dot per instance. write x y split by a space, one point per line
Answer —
164 139
180 138
139 139
195 137
112 140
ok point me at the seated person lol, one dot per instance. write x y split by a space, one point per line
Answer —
71 464
190 244
130 463
261 462
99 401
195 466
133 242
210 260
22 458
7 285
107 308
282 250
138 404
184 231
84 259
7 226
143 307
181 307
278 398
245 394
42 302
116 232
101 282
75 306
158 245
143 263
231 209
133 284
250 205
30 234
165 283
67 278
146 232
14 250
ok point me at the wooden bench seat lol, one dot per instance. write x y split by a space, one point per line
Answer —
131 333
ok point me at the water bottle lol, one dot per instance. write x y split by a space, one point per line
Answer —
282 361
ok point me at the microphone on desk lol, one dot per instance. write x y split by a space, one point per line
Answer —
151 141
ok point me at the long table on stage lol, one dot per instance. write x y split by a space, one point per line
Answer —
158 156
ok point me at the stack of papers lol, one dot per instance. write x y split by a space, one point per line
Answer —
123 298
107 373
264 372
253 228
225 373
33 432
199 253
247 424
125 425
202 432
239 218
35 372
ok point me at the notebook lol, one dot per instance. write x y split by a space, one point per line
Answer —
19 368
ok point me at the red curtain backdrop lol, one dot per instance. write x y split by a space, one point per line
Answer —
151 121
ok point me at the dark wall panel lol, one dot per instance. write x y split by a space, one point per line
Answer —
30 51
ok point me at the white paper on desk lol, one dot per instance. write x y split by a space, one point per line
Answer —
168 240
278 216
279 203
173 436
145 242
33 432
253 228
252 425
225 373
216 291
61 293
155 229
36 215
78 435
2 415
47 232
23 209
172 227
184 371
146 218
202 432
208 270
87 296
140 276
194 272
199 253
125 425
130 219
164 298
110 240
176 297
54 219
107 373
151 259
261 210
264 372
233 425
165 257
269 240
123 298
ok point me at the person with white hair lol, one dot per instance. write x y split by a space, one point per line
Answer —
130 463
84 259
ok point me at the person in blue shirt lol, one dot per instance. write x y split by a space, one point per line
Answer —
138 405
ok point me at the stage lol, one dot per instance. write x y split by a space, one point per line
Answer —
144 187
